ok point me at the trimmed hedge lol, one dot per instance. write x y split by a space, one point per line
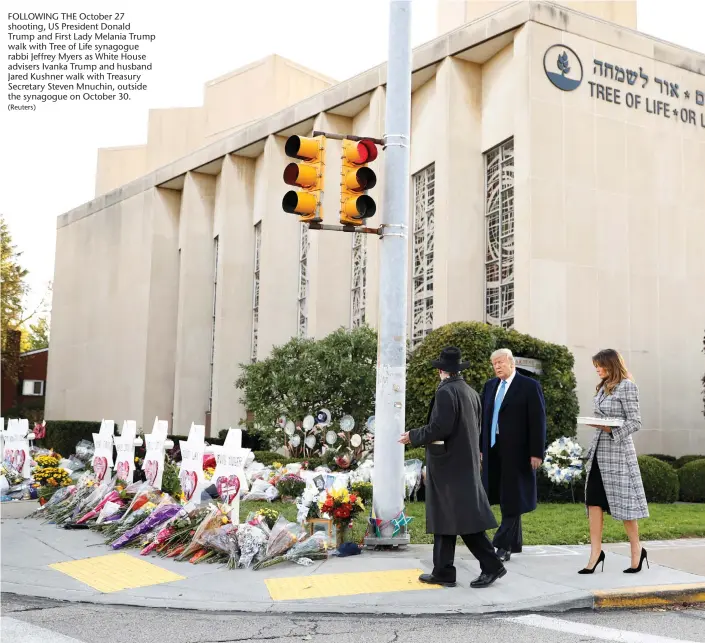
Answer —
692 481
660 480
416 454
478 341
670 459
63 436
686 459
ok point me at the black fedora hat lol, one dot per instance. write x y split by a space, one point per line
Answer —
449 361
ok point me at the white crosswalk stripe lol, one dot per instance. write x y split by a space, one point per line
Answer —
593 631
13 630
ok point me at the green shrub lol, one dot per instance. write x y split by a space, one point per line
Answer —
63 435
692 481
314 462
670 459
304 375
660 480
416 454
364 491
477 341
268 458
686 459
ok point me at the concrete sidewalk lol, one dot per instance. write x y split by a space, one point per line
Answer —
540 579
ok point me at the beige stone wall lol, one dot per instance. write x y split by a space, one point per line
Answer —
455 13
613 202
100 304
173 133
116 166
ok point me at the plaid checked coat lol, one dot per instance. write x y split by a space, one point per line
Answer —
616 455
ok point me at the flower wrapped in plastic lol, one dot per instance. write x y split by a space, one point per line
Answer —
221 543
304 552
412 477
213 519
284 536
166 510
252 541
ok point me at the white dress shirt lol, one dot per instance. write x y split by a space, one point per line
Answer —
508 383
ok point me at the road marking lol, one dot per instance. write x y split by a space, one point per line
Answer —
328 585
14 630
592 631
115 572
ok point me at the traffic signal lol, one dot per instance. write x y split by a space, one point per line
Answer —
307 175
356 178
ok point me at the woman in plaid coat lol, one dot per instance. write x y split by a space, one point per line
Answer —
613 481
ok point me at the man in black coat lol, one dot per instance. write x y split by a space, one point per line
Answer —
513 445
456 503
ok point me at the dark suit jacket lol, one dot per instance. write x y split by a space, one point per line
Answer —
522 425
456 503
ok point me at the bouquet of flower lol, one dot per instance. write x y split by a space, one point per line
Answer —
270 516
290 486
183 531
51 476
284 536
213 519
46 460
307 504
341 506
563 463
252 541
363 490
166 510
304 552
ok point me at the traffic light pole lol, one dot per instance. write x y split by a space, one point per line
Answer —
388 499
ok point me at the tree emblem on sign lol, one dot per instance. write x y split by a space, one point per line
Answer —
563 65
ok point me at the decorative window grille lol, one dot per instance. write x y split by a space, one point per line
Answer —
255 291
358 290
499 227
303 281
423 245
215 295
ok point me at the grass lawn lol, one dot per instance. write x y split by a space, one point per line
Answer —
551 524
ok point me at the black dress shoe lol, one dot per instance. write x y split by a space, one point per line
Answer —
485 580
430 579
504 555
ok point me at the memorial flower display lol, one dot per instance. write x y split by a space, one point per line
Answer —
563 462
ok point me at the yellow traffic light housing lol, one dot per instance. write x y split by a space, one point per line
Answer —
355 179
308 175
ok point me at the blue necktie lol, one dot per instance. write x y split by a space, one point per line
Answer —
495 414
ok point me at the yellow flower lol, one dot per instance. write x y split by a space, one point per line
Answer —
225 520
277 465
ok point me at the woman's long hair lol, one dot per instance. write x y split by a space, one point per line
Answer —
612 362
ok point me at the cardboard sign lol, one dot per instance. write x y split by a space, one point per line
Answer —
125 447
153 465
229 477
103 456
16 446
191 472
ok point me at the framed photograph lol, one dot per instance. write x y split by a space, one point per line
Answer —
326 526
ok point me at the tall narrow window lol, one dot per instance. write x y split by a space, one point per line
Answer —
499 232
215 296
303 281
423 245
255 291
358 289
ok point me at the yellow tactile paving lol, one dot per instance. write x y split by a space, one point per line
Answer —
115 572
328 585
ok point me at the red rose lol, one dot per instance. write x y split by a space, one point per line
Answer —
353 498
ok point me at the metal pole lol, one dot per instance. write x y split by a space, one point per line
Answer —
391 350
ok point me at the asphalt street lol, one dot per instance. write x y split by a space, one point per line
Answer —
33 620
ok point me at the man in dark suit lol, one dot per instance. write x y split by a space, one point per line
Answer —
513 444
456 503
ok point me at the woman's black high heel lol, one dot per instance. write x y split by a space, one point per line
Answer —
642 558
588 570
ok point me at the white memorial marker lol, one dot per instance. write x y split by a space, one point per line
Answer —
229 476
103 456
16 446
125 447
191 473
153 465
